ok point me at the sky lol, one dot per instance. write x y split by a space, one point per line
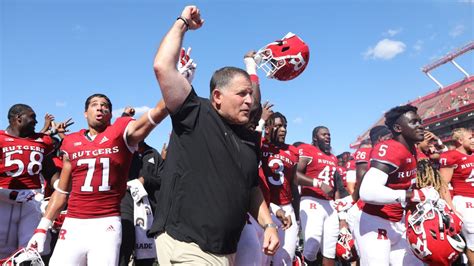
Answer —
365 56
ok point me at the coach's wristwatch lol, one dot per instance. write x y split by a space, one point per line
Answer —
272 225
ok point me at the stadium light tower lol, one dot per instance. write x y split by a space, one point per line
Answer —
448 58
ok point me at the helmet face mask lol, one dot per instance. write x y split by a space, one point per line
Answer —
345 246
433 233
24 255
424 211
284 59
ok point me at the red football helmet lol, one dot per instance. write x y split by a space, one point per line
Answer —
284 59
433 232
298 260
345 247
23 255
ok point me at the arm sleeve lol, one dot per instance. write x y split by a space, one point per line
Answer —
351 176
373 189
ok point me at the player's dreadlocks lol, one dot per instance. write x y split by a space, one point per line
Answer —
427 175
393 114
274 116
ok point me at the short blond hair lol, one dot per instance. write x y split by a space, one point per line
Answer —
459 132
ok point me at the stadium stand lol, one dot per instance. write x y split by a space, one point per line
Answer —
442 110
446 108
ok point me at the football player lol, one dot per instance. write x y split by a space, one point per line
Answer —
319 220
24 160
278 169
457 168
362 163
385 189
95 167
350 175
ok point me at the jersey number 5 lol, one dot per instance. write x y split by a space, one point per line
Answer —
105 162
383 150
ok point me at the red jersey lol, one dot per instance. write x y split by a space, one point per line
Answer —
463 174
320 166
350 165
393 153
263 184
278 170
58 163
343 173
421 155
362 155
99 171
21 160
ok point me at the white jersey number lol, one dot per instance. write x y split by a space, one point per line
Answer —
35 159
326 175
278 171
360 155
383 150
105 162
470 179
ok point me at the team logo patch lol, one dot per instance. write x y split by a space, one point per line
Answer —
408 160
152 160
39 140
104 139
110 229
464 158
9 139
77 144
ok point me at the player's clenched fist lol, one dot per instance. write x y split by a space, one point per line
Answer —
192 15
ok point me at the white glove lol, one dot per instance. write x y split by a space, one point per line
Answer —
424 194
37 240
44 205
39 237
186 65
25 196
250 65
343 204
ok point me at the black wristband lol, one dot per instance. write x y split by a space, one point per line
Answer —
185 21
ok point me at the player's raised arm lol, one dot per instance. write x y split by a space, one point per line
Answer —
139 130
174 87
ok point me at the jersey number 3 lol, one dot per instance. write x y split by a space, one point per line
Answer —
278 171
105 162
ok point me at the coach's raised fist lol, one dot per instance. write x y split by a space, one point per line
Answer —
192 16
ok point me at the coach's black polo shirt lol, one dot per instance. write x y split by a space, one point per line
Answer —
209 171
